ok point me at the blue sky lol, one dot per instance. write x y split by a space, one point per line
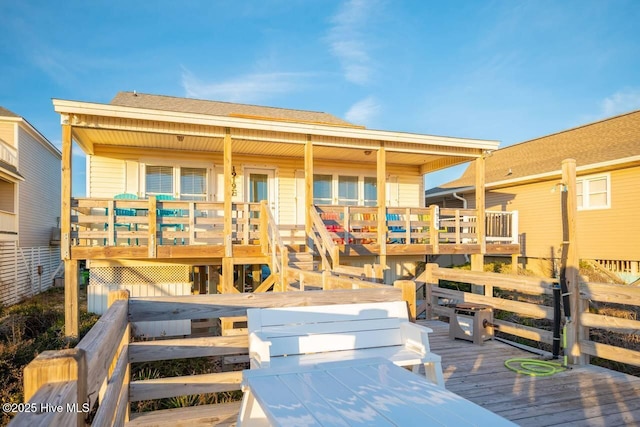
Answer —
504 70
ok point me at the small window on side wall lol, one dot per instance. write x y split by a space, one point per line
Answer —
593 192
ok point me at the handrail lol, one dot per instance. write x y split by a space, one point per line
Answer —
81 372
274 246
325 244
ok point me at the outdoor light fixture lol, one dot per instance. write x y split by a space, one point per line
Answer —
180 138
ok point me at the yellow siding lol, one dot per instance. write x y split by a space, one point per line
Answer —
108 171
613 233
106 177
539 216
7 133
602 233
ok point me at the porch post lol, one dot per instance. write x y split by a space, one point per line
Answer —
71 300
65 219
308 191
477 260
381 174
228 194
71 291
227 261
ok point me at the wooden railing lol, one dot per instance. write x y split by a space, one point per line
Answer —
273 245
8 153
8 222
63 387
109 222
626 296
504 283
358 225
500 291
323 242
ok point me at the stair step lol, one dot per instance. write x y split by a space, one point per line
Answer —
205 415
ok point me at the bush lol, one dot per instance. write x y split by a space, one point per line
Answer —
26 330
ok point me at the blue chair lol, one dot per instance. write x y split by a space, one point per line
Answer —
123 212
395 228
168 213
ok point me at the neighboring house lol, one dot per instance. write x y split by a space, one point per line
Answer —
525 177
194 174
29 209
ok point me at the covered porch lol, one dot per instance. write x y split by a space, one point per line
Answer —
330 190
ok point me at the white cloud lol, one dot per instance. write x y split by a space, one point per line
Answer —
249 88
621 102
364 111
348 41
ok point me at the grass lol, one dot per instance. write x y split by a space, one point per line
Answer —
26 330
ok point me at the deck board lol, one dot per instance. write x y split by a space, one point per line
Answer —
582 396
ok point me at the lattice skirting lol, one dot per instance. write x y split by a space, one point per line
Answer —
141 282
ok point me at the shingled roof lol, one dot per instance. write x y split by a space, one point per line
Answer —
607 140
217 108
6 113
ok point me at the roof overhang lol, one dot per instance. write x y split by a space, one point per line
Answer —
546 176
105 124
9 173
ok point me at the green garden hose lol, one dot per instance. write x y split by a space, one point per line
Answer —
534 367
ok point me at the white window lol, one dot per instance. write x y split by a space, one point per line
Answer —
322 189
193 184
159 180
347 190
181 182
344 190
594 192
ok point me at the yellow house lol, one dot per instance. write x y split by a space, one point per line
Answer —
525 177
223 197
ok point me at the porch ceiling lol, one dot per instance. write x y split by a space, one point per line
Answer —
252 144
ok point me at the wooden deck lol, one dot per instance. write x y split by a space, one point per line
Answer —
585 396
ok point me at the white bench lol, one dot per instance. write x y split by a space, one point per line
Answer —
297 336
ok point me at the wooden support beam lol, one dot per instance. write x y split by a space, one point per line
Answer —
227 276
308 191
408 288
65 219
71 298
381 174
569 270
228 194
477 260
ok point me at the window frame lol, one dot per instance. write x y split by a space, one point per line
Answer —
586 193
177 175
335 188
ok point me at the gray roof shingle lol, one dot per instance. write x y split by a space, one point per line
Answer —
218 108
6 113
609 139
